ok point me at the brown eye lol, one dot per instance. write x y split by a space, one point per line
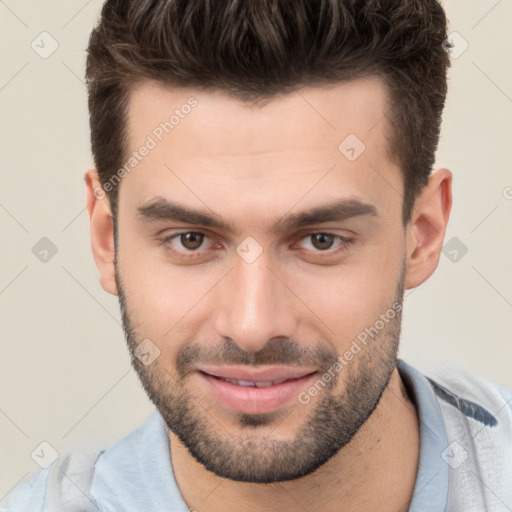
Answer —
191 241
322 241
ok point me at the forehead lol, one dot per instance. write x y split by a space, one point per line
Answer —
207 141
221 124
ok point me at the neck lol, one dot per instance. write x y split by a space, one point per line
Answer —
375 471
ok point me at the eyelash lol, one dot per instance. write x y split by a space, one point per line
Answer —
343 245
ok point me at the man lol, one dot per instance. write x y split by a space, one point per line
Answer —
262 197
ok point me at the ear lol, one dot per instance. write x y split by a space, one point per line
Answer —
427 227
102 230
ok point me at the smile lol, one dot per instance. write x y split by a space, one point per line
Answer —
246 383
254 392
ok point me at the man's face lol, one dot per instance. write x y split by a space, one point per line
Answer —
259 285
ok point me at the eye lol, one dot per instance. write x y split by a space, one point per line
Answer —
190 241
185 243
322 242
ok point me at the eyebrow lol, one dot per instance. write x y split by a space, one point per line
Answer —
159 208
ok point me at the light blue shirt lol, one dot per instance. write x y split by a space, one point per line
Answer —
135 474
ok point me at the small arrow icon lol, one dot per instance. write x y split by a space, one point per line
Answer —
44 454
454 455
249 249
44 45
44 250
455 45
351 147
146 352
455 249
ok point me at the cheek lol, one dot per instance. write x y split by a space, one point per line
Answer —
351 297
163 298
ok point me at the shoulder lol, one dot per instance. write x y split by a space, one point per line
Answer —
477 415
29 494
463 389
69 478
65 480
462 395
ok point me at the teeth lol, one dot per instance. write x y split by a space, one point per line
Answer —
247 383
263 384
244 383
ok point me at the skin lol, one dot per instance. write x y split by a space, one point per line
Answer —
253 165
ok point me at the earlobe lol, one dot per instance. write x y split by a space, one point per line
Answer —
427 228
102 231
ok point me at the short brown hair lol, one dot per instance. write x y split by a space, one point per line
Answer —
256 49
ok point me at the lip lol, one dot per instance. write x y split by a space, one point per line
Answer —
255 400
264 374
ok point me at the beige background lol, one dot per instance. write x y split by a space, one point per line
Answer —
65 376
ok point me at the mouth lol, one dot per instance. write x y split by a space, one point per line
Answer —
254 391
256 384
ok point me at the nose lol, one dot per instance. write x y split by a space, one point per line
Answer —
255 305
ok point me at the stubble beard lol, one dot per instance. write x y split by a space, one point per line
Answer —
243 454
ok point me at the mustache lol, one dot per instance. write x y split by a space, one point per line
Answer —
277 351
